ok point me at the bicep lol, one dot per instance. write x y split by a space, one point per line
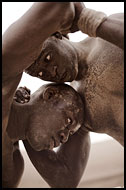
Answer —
12 164
50 166
65 167
22 41
8 89
112 30
76 152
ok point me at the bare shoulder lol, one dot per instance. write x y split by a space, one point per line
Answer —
119 16
9 87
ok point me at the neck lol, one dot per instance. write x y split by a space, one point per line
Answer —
83 50
17 121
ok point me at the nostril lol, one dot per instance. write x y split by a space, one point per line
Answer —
55 68
63 137
54 72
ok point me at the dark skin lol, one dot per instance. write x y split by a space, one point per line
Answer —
99 91
19 49
112 30
42 129
21 45
19 56
65 168
96 68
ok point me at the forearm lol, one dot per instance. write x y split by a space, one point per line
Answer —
50 167
97 24
112 30
8 90
65 167
13 171
21 43
12 164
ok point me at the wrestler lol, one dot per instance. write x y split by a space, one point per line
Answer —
53 113
21 42
95 66
21 45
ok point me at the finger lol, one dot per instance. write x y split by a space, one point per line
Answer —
20 96
26 95
27 89
15 98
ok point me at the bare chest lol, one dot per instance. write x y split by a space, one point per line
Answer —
102 87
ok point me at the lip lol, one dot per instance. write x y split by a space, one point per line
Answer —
65 77
56 142
51 145
68 77
36 147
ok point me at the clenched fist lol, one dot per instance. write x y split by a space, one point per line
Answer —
22 95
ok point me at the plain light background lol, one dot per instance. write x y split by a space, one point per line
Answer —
11 11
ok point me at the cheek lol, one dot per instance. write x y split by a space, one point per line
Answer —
37 137
54 125
41 129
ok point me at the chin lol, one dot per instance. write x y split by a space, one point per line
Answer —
36 147
69 76
60 79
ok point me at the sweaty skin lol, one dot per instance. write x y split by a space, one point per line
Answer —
96 68
53 113
21 45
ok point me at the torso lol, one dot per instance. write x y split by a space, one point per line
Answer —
102 88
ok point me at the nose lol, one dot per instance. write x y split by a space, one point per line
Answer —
64 136
54 71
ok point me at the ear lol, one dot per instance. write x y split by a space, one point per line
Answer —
49 93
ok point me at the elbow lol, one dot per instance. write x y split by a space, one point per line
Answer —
66 181
66 184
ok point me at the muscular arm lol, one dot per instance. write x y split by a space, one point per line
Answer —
12 164
112 30
21 44
97 24
64 168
